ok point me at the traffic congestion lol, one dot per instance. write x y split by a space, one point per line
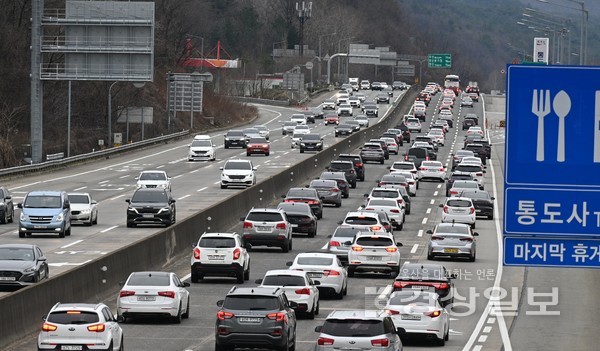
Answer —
370 254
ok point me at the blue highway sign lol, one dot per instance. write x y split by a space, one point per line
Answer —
579 253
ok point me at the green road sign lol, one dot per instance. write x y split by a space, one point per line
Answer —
439 60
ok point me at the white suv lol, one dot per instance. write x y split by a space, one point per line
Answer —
80 326
459 210
220 254
154 179
202 148
237 173
374 252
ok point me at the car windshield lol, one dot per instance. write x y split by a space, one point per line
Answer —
284 280
153 176
468 168
411 298
418 152
149 279
260 128
217 242
238 165
289 124
248 131
384 193
378 202
311 137
149 196
393 178
341 165
235 133
361 220
402 166
461 177
79 199
465 184
315 261
297 207
476 195
257 141
374 241
458 203
264 217
353 327
371 147
452 228
42 201
73 317
16 254
197 143
251 302
301 192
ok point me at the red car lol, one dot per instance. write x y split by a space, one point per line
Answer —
332 119
258 146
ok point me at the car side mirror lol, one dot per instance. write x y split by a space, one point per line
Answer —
248 246
492 198
20 205
316 283
429 231
254 168
137 178
330 236
282 196
307 186
318 328
289 263
42 258
292 304
193 244
475 234
128 201
121 283
185 284
399 244
348 243
340 222
172 201
220 303
94 202
221 168
483 171
258 281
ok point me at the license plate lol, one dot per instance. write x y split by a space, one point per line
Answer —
39 227
262 228
374 258
478 211
314 275
146 298
410 317
420 287
294 226
256 149
8 278
249 319
71 347
148 216
216 257
451 250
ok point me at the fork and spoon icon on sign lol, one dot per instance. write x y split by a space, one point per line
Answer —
540 107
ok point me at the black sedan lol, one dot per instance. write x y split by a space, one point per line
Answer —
22 265
343 129
482 201
300 217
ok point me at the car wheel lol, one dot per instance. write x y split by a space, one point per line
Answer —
382 161
223 186
354 185
408 210
312 233
339 204
186 315
248 154
472 258
89 224
5 217
21 234
351 272
130 225
399 227
285 247
240 278
122 345
62 234
95 219
195 277
346 288
441 342
301 151
177 318
247 273
473 225
221 347
447 335
226 146
346 195
12 216
491 216
430 256
311 314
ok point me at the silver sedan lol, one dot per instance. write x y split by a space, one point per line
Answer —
452 240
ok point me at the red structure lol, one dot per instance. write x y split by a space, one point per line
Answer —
190 61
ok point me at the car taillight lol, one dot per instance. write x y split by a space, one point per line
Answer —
325 341
280 226
468 240
471 210
236 254
479 174
440 169
357 248
335 190
47 327
313 202
96 328
392 312
393 210
197 253
170 294
303 291
426 158
391 249
358 165
433 314
375 228
441 286
380 342
400 201
435 238
278 317
125 293
247 225
334 243
222 315
445 209
394 145
331 273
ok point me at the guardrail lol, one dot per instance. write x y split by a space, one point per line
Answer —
59 162
100 278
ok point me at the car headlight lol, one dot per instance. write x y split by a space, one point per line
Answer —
226 139
223 175
164 209
302 144
249 175
29 270
87 210
319 144
164 186
23 217
60 217
132 209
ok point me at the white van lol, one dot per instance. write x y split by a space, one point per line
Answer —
354 83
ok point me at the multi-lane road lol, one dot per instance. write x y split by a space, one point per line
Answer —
475 324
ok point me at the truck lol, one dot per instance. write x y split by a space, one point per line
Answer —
354 83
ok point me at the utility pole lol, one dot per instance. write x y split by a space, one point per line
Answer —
304 12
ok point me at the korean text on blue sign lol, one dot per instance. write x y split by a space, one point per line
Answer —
529 251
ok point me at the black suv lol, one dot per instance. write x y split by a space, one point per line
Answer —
258 316
151 206
478 150
311 142
7 209
359 166
235 138
344 166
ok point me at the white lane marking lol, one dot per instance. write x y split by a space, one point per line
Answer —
71 244
186 277
194 171
104 181
487 329
324 247
420 232
177 176
287 152
202 189
414 248
435 193
491 320
407 262
184 196
125 176
277 156
432 202
161 166
386 292
424 220
428 211
477 348
482 338
116 197
109 229
83 187
493 303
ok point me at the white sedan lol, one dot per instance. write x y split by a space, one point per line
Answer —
413 182
154 293
325 267
432 170
298 287
419 313
394 210
84 209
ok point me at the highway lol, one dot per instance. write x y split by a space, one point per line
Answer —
475 325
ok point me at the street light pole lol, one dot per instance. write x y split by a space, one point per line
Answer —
110 114
584 25
341 54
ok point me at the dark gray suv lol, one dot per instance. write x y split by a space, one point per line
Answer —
256 317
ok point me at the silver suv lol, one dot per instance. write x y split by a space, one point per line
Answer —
267 227
258 316
359 330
